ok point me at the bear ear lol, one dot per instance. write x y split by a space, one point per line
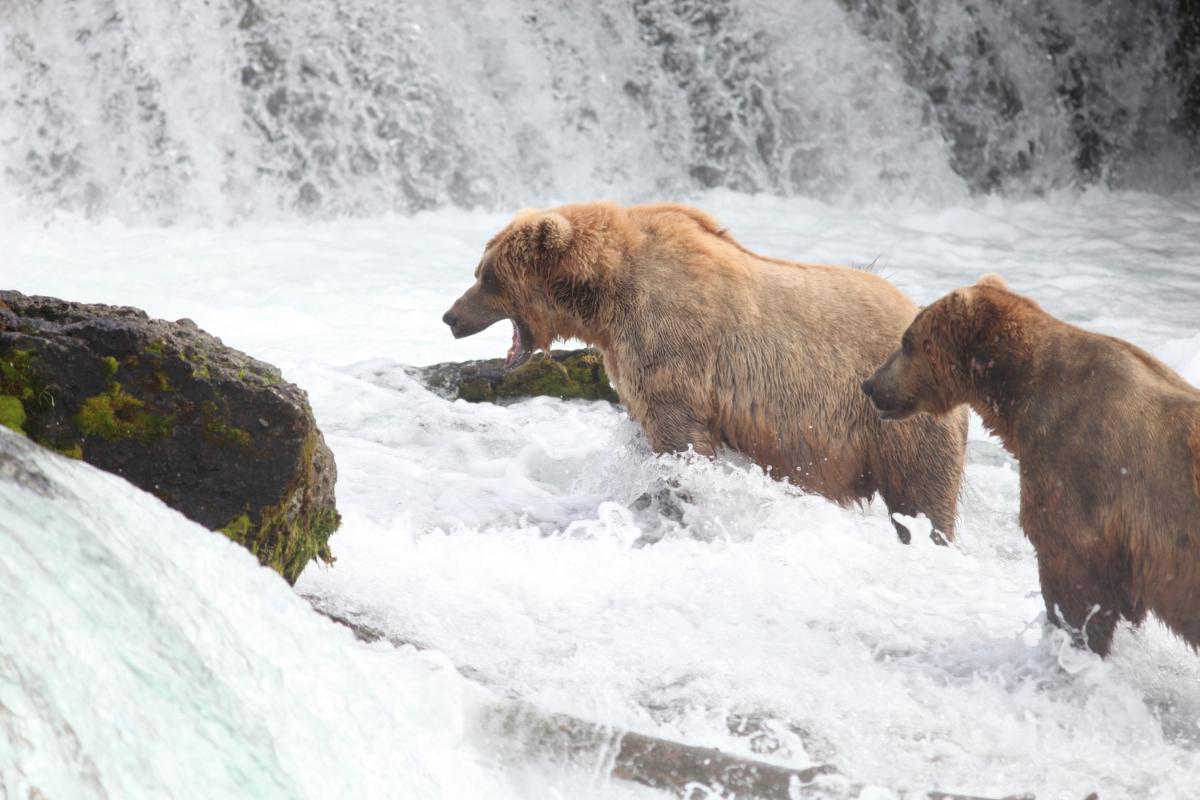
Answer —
544 231
993 280
551 232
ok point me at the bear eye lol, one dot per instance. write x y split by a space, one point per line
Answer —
490 282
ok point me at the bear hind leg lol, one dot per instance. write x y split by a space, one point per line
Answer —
902 531
918 470
932 492
898 505
1078 601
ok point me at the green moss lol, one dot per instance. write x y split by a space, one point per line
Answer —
198 360
579 377
116 415
219 431
476 390
238 529
162 382
66 447
110 366
586 371
12 413
281 539
231 436
74 451
541 376
297 542
284 545
287 535
17 377
157 347
101 415
263 378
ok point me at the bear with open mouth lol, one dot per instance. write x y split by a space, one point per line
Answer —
710 345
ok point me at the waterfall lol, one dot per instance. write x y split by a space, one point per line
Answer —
163 110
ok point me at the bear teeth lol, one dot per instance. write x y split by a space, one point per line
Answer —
517 350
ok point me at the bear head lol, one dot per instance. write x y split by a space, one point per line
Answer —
545 273
944 351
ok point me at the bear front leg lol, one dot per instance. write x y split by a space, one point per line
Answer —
1077 600
672 427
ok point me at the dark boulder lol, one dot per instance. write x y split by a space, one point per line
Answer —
565 374
213 433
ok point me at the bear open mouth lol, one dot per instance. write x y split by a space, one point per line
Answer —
522 347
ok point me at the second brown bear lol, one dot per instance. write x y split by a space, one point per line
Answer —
1109 443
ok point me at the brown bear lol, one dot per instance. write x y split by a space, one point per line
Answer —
710 345
1108 439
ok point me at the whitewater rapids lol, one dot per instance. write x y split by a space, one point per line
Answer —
500 538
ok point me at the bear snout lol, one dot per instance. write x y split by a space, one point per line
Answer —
454 322
889 401
468 316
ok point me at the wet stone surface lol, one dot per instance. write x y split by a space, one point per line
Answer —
212 432
565 374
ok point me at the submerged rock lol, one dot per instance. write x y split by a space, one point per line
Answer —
213 433
565 374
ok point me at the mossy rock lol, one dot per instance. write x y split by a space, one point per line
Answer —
210 431
565 374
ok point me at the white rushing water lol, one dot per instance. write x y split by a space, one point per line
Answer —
145 656
235 109
502 537
141 651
